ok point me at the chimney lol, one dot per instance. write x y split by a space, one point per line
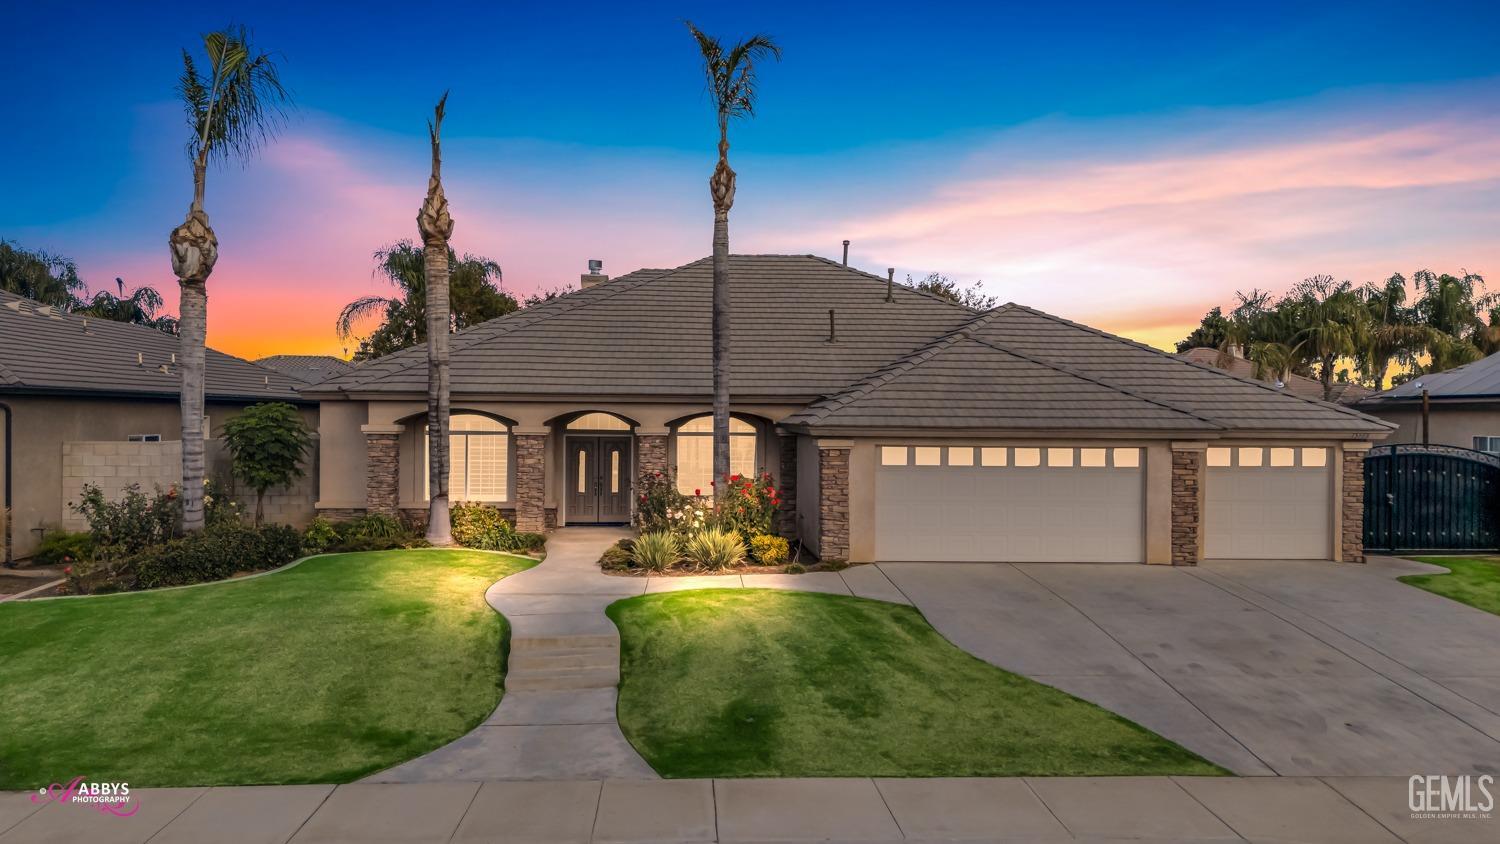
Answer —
595 276
846 253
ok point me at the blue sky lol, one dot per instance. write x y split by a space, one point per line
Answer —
581 130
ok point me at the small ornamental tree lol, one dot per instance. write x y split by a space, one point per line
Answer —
268 442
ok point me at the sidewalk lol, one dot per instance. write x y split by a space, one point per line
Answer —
1358 810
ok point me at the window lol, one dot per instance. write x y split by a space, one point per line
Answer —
143 438
695 453
478 459
1250 456
1129 458
1488 445
992 457
1283 456
598 422
961 456
1218 457
1314 457
893 455
1092 458
1028 457
928 455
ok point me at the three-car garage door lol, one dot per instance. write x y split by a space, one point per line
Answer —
1267 504
1009 504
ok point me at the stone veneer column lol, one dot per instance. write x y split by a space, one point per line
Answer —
786 484
1187 502
650 454
1352 503
833 499
531 480
382 468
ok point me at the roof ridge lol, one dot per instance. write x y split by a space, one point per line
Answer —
1169 356
884 375
1076 373
908 288
514 320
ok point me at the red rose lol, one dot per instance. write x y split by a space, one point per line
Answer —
698 493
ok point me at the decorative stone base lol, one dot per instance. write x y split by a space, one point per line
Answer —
382 468
341 514
1187 517
833 503
531 463
786 515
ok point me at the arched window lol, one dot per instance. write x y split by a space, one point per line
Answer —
598 422
478 459
695 453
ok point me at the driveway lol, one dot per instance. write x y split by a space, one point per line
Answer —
1287 668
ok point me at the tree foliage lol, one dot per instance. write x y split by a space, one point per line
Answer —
268 442
53 280
940 285
474 297
1321 322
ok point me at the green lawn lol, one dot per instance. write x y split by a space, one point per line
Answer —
329 671
767 683
1473 580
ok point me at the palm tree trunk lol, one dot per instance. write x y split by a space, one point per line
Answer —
194 249
721 188
1325 375
435 268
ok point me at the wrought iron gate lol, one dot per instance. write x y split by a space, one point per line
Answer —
1431 498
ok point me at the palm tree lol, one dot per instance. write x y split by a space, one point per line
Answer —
474 297
40 276
435 225
730 75
141 307
234 109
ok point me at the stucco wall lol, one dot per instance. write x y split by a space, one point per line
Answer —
41 425
1456 426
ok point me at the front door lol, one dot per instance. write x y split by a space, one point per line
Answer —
598 480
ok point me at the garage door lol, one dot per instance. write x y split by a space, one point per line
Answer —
1267 504
1008 504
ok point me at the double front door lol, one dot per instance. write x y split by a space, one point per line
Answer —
598 480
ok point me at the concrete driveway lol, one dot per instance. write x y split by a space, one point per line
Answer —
1286 668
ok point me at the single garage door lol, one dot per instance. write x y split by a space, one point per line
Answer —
1009 504
1267 504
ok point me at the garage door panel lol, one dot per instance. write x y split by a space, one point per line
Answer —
1010 513
1267 512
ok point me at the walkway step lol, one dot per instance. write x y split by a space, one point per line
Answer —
563 641
557 679
541 659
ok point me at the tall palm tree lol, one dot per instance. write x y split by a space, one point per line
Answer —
233 109
435 225
141 307
730 75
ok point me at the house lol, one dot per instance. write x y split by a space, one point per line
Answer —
899 425
1463 407
92 401
1344 392
306 369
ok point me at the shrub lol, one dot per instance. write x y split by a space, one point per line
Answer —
656 551
659 504
319 536
768 550
835 564
268 442
373 526
133 523
617 556
480 526
63 547
378 543
749 504
795 568
526 542
212 554
713 549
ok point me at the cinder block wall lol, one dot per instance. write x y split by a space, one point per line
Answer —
114 465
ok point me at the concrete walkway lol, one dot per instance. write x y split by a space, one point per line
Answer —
557 718
1290 668
1356 810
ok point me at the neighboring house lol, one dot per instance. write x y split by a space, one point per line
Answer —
306 369
92 401
898 425
1464 407
1344 392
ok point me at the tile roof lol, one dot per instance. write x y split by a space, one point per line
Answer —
918 361
306 369
1344 392
1477 380
44 350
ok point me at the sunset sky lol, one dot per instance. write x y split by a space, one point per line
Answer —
1126 166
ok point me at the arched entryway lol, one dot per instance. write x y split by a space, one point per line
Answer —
597 461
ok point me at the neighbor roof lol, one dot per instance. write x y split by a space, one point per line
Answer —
918 361
1344 392
43 350
307 369
1479 380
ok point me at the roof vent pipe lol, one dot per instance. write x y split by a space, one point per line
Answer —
846 253
890 284
833 333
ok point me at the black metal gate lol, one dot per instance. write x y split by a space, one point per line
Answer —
1431 498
